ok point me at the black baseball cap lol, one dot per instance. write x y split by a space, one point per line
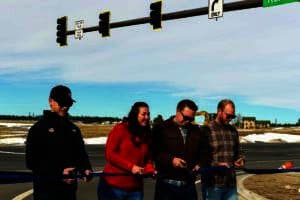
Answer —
62 95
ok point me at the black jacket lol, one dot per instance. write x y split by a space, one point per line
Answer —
55 143
167 143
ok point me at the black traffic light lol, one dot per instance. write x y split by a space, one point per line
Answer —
104 26
155 15
61 33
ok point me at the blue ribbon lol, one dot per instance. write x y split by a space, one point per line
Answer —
10 177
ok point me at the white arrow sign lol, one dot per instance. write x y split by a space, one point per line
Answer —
215 8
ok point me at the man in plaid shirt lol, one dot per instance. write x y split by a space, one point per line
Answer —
226 151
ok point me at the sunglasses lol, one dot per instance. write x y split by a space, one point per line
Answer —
187 118
230 116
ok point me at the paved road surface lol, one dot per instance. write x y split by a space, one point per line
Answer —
258 156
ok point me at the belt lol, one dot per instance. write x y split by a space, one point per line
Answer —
175 182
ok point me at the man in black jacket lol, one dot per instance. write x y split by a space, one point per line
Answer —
180 148
54 147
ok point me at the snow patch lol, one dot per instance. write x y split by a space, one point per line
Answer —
271 138
15 140
97 140
9 125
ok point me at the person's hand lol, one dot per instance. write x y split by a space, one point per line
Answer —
149 170
87 176
287 165
154 175
137 170
178 163
225 164
69 171
196 168
239 162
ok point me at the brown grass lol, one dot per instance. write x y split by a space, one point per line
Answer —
88 130
94 130
97 130
275 186
5 131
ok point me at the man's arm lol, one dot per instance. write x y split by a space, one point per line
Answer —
83 158
83 162
30 152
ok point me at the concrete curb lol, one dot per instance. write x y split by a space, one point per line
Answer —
243 192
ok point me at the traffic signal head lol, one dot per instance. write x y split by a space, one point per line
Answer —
61 33
155 15
104 25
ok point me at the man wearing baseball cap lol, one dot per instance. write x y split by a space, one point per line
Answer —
62 95
54 147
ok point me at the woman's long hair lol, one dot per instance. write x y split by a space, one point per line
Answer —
141 134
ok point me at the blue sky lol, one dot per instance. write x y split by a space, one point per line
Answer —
250 56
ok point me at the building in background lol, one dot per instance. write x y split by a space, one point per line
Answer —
252 123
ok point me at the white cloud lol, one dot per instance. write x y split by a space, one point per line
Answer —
251 53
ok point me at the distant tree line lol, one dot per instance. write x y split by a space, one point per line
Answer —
19 117
83 119
158 119
96 119
285 124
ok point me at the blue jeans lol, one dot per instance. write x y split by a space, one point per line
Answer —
106 192
219 193
166 191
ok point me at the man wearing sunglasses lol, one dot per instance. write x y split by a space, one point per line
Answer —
180 148
226 151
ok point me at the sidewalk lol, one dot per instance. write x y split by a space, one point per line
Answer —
245 194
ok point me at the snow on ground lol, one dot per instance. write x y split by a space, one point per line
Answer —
266 138
10 124
21 141
13 141
271 138
291 128
278 128
98 140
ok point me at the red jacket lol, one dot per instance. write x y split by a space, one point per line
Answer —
121 154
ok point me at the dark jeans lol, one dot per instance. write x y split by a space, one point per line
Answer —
54 194
219 193
106 192
166 191
51 191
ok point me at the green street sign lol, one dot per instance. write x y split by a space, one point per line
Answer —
269 3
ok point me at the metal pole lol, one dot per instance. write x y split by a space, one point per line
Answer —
241 5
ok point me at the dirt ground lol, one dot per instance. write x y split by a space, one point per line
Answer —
275 186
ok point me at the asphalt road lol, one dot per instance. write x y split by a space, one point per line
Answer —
257 155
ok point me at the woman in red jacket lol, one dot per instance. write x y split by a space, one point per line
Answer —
127 151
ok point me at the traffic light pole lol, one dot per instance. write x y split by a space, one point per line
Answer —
241 5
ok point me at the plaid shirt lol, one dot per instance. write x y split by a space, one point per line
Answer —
225 147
